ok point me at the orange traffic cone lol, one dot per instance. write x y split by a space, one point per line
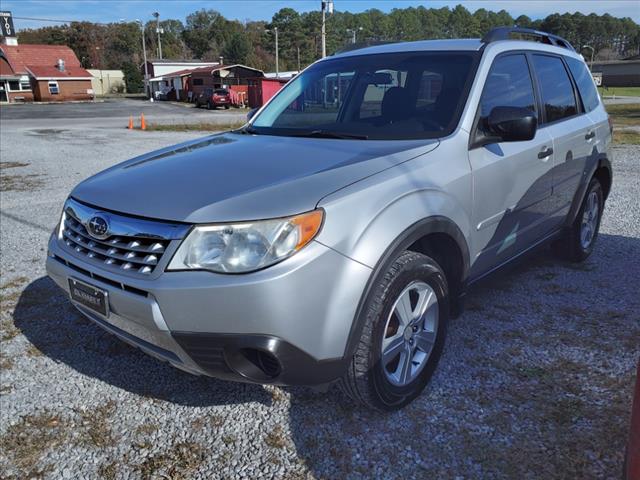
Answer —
130 122
143 125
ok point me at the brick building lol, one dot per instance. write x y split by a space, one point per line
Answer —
42 73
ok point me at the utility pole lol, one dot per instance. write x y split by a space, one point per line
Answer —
275 29
158 31
298 50
327 5
144 54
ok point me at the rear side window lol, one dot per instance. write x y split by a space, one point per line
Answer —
508 85
585 84
556 88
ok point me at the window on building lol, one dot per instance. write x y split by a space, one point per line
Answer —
14 85
53 88
24 85
556 88
198 81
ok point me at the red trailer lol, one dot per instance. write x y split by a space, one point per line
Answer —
262 89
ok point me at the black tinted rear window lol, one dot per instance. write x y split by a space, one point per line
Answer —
221 91
557 90
586 87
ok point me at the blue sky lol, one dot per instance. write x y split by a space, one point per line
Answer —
114 10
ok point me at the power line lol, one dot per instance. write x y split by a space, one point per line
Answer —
58 20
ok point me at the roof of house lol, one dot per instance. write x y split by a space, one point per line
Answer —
21 56
5 69
179 61
45 72
223 67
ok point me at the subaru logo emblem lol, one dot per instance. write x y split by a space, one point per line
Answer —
98 227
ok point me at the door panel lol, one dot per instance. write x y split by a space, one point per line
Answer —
512 191
512 181
572 131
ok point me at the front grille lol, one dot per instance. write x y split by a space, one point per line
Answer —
133 253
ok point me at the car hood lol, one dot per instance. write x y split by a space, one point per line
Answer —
231 176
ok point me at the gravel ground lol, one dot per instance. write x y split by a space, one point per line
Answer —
535 382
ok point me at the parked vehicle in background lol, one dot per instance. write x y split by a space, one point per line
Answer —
213 98
332 237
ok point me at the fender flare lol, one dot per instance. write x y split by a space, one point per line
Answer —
601 162
426 226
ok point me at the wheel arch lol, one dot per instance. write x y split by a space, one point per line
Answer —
435 236
600 169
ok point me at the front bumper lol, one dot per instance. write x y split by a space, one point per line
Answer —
287 324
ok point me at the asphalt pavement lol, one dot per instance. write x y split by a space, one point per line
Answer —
111 113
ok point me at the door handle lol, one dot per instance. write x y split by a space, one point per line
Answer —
545 153
590 135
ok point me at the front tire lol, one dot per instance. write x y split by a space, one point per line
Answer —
403 335
578 242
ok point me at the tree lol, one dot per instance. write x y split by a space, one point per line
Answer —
133 78
238 49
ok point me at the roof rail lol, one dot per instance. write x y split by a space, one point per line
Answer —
506 33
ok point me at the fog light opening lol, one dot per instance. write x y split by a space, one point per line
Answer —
265 361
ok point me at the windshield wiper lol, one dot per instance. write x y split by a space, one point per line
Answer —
327 134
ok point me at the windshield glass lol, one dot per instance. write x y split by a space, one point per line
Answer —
384 96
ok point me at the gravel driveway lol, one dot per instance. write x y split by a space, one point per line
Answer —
535 381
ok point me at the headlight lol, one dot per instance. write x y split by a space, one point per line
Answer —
245 247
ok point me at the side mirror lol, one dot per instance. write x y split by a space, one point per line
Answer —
251 113
512 124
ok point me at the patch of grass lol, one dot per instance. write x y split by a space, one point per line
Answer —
195 127
276 438
8 330
14 283
624 114
96 422
33 351
20 183
179 462
108 471
146 429
6 363
619 91
626 137
13 165
28 440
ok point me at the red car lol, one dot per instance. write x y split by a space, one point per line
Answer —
213 98
632 462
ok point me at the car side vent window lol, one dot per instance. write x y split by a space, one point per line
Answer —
508 85
556 89
585 84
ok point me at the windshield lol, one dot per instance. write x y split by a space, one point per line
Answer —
383 97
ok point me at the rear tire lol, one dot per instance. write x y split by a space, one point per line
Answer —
395 358
577 244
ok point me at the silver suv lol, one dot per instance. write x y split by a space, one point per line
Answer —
334 235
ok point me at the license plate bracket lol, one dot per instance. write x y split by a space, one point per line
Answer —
88 296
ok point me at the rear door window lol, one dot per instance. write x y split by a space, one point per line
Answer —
585 84
556 89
